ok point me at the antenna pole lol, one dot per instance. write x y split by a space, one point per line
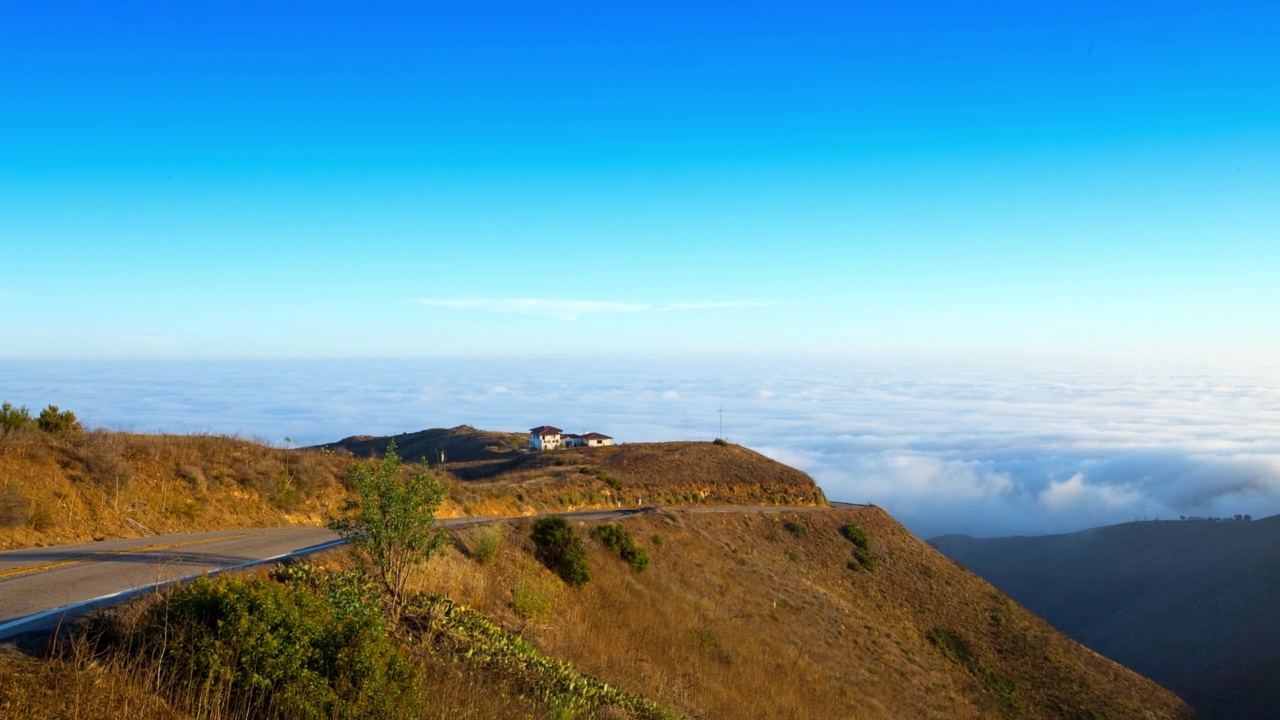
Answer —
721 436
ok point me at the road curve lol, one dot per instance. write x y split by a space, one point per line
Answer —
41 587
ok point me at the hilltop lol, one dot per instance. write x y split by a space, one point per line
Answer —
497 474
1188 603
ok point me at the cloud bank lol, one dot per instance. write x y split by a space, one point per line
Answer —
565 309
986 452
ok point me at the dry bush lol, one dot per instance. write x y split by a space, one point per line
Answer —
15 508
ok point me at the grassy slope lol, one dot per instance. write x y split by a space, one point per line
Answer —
739 617
62 489
1188 603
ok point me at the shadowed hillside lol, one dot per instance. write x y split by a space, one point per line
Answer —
462 444
1189 603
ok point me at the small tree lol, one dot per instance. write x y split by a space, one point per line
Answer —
15 419
64 422
391 521
561 550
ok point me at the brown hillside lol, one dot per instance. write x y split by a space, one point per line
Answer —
759 615
101 484
677 473
496 475
739 615
96 485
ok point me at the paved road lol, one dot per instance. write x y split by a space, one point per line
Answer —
40 587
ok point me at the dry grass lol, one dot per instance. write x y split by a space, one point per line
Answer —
738 618
102 485
60 489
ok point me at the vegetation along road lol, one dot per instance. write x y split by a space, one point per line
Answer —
41 587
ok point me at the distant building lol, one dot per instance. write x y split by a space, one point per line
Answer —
587 439
546 437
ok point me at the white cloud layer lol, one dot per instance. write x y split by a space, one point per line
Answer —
979 451
565 309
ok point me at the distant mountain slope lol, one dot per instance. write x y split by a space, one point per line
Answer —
455 445
1191 604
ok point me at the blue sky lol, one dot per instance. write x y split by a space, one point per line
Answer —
959 180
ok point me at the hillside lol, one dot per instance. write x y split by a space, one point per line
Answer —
63 488
738 615
1189 603
100 484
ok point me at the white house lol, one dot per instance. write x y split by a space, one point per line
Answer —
546 437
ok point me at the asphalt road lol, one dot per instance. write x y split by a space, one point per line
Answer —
42 587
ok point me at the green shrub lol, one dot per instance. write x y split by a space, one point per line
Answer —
561 550
720 441
391 521
15 419
797 528
57 422
488 541
313 646
657 541
602 476
617 539
862 559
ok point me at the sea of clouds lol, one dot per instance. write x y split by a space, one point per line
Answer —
984 451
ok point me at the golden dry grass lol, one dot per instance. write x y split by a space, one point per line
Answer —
737 617
104 484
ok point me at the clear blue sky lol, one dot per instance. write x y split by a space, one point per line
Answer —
309 179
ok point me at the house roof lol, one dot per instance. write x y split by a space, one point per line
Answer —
545 430
596 436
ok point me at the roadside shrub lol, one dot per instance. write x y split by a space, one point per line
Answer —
617 539
57 422
561 550
310 647
797 528
488 541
